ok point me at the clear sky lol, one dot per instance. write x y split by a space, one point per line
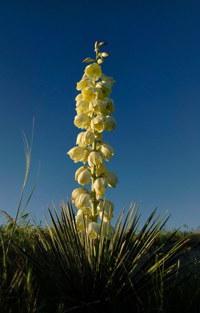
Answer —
155 60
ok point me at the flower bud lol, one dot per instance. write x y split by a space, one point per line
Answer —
99 106
82 121
80 140
79 97
85 138
93 230
105 106
100 186
89 94
106 150
83 201
105 88
83 83
89 137
82 107
82 175
93 71
98 124
78 154
99 61
111 179
110 123
101 170
104 54
95 159
77 192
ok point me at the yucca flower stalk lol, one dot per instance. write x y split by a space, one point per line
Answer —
94 109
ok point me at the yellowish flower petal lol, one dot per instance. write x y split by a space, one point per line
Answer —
106 150
100 186
101 170
83 201
82 121
82 220
78 154
77 192
93 71
85 138
79 97
82 107
89 94
93 230
95 159
82 175
83 83
98 124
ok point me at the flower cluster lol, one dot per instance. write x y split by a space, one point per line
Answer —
94 109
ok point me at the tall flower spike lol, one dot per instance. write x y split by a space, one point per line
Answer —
94 109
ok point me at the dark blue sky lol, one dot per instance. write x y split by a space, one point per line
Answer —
155 60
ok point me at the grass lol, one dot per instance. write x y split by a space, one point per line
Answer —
55 269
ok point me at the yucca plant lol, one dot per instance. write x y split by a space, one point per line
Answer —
83 263
77 273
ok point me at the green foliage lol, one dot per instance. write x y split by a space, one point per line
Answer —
16 285
55 269
80 274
